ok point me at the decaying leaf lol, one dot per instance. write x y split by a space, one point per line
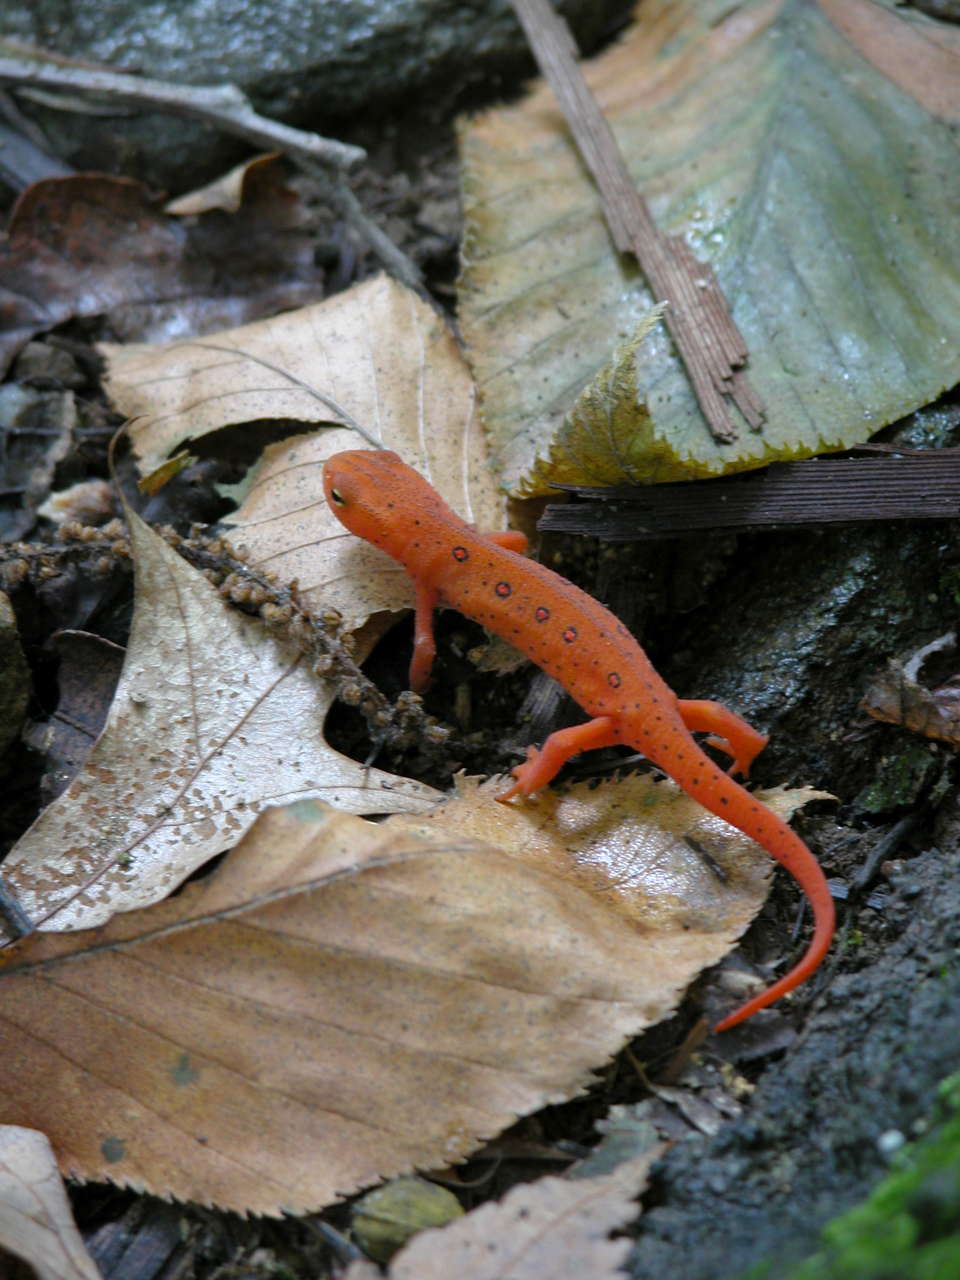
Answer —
337 1003
809 152
557 1227
91 244
39 428
898 696
378 351
386 1218
35 1219
213 719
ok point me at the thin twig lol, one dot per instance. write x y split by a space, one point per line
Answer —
698 317
223 106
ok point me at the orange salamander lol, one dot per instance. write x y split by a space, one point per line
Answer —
584 647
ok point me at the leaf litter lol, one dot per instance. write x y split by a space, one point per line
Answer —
378 351
92 244
343 1001
213 719
557 1227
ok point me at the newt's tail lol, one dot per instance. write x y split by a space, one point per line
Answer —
717 791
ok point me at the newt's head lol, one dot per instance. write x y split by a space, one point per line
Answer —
376 495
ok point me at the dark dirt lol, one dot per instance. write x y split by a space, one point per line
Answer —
808 1146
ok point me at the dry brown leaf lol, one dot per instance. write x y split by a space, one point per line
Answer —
556 1227
213 720
379 352
338 1002
35 1218
899 696
344 1001
656 856
90 244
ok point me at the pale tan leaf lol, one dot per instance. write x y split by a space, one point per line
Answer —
690 881
556 1227
225 192
284 524
337 1003
35 1218
809 153
378 351
213 720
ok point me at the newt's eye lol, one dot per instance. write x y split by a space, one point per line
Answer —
337 498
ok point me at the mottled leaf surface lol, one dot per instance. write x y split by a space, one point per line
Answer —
213 719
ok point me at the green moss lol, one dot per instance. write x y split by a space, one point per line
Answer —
909 1226
900 778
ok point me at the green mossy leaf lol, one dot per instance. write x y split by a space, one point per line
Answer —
807 151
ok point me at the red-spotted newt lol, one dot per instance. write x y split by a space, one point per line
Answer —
583 646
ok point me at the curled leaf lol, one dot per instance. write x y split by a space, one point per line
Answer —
35 1218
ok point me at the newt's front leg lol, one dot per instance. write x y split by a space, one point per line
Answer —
425 602
544 764
424 645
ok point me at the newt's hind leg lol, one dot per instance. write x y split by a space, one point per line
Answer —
544 764
729 733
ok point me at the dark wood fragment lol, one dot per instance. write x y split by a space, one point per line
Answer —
919 485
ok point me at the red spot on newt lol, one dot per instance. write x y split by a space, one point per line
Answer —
375 495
